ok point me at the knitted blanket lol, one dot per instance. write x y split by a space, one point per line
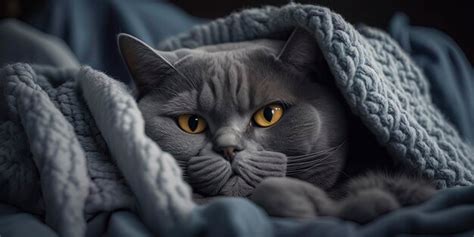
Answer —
72 142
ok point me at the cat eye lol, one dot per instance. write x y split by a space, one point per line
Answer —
268 115
192 123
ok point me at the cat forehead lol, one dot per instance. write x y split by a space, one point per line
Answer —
226 50
228 80
248 55
233 83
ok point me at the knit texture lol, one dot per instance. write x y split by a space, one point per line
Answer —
72 142
378 80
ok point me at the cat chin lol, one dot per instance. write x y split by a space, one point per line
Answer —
208 174
212 175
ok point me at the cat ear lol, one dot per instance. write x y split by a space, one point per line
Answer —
147 66
302 51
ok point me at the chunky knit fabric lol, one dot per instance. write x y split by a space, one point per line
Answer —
72 142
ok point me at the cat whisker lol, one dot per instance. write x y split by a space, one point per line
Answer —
315 168
310 161
303 169
317 165
318 153
307 163
309 154
314 164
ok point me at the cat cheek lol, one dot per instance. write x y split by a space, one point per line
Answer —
295 134
172 139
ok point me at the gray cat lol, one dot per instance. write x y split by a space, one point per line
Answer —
262 119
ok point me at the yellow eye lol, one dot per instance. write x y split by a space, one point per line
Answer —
268 115
192 123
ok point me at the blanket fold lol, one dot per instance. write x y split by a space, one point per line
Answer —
77 138
81 134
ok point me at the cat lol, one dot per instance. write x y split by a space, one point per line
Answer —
263 119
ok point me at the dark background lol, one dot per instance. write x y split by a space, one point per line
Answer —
455 17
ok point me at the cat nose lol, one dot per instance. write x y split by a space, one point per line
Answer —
227 141
229 152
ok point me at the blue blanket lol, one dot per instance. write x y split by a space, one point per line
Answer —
90 27
238 217
449 213
450 74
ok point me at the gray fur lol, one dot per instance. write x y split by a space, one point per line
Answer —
365 197
226 84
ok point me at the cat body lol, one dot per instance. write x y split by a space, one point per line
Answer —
262 119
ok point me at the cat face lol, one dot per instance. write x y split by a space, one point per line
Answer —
234 114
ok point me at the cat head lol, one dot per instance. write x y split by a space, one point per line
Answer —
233 114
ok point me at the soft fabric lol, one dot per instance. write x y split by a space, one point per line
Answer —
49 133
449 72
54 160
449 213
14 222
20 42
90 27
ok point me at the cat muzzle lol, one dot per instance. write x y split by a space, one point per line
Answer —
212 174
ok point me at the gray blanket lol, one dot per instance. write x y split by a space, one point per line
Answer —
60 154
73 141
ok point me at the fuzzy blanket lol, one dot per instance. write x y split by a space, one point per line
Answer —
72 142
68 138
